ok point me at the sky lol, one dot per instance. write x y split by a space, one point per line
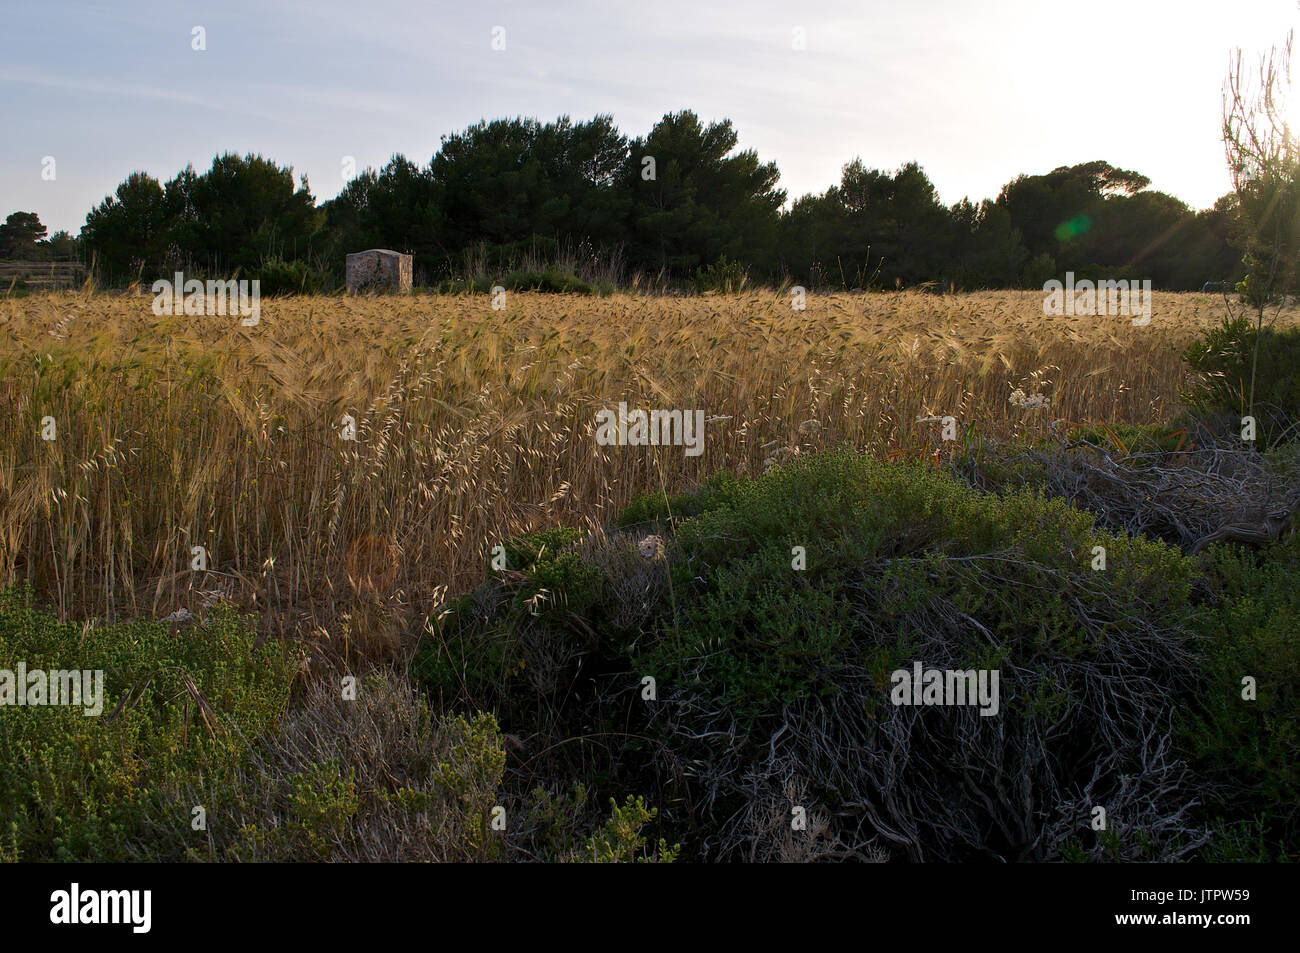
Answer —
976 92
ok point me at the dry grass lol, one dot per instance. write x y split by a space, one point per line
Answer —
474 425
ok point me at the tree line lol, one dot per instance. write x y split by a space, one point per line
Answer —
672 206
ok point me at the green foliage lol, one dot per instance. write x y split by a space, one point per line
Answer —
471 775
556 577
1126 439
658 507
903 562
755 634
728 277
1225 358
379 777
1252 748
128 230
477 644
620 839
241 212
1095 220
466 652
20 235
1245 840
553 280
556 820
320 804
1040 269
512 193
279 277
704 200
177 706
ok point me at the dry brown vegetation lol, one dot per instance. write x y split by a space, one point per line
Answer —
474 425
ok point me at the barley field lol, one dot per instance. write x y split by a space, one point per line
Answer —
473 425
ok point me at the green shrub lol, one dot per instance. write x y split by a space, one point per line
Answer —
556 576
317 808
773 665
376 778
648 508
891 535
791 666
177 705
620 839
1224 357
465 652
904 564
728 277
478 645
278 277
1127 439
1250 750
1039 270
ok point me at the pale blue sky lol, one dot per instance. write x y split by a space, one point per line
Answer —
975 91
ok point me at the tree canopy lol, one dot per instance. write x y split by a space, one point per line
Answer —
678 199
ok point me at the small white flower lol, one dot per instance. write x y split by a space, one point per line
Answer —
1028 402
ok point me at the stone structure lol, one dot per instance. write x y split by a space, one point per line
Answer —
378 270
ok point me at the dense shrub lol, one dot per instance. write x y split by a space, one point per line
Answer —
1249 750
177 705
773 677
382 777
377 777
906 565
620 838
278 277
1224 359
562 596
726 277
648 508
200 718
771 614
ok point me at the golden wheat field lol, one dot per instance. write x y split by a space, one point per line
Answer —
473 425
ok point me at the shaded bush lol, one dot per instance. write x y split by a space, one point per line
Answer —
792 667
620 838
515 643
278 277
1224 357
197 723
727 277
1250 749
774 678
377 778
